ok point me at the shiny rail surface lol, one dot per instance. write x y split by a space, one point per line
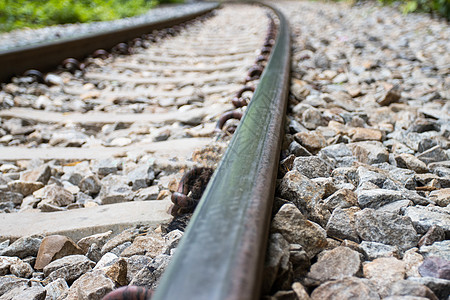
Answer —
47 56
222 252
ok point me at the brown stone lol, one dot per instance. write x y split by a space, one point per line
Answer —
296 229
412 261
54 247
409 161
300 291
348 288
93 286
359 134
441 197
99 239
117 272
56 196
383 272
339 263
40 174
151 245
312 141
392 95
24 187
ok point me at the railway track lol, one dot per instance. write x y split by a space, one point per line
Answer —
361 196
169 96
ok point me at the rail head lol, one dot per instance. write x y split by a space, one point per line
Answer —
222 252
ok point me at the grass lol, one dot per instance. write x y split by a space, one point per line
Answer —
15 14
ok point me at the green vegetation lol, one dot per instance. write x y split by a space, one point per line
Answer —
442 7
39 13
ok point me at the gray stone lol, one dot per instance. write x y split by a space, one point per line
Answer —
149 275
312 118
100 239
370 152
434 234
56 196
340 155
396 206
36 292
172 239
120 248
56 288
94 252
336 264
115 189
68 138
68 268
374 176
345 175
408 288
376 198
406 177
277 265
312 167
424 218
125 236
108 166
298 150
299 259
23 247
135 263
24 187
343 198
7 196
10 282
341 224
90 184
386 228
348 288
374 250
440 287
432 155
149 193
74 174
107 260
303 192
296 229
383 272
5 264
21 269
321 60
141 177
438 249
92 285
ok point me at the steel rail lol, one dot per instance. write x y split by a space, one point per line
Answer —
46 56
222 252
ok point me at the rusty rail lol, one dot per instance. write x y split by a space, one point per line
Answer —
222 252
46 56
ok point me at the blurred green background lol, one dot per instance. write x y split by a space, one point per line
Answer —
38 13
440 7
